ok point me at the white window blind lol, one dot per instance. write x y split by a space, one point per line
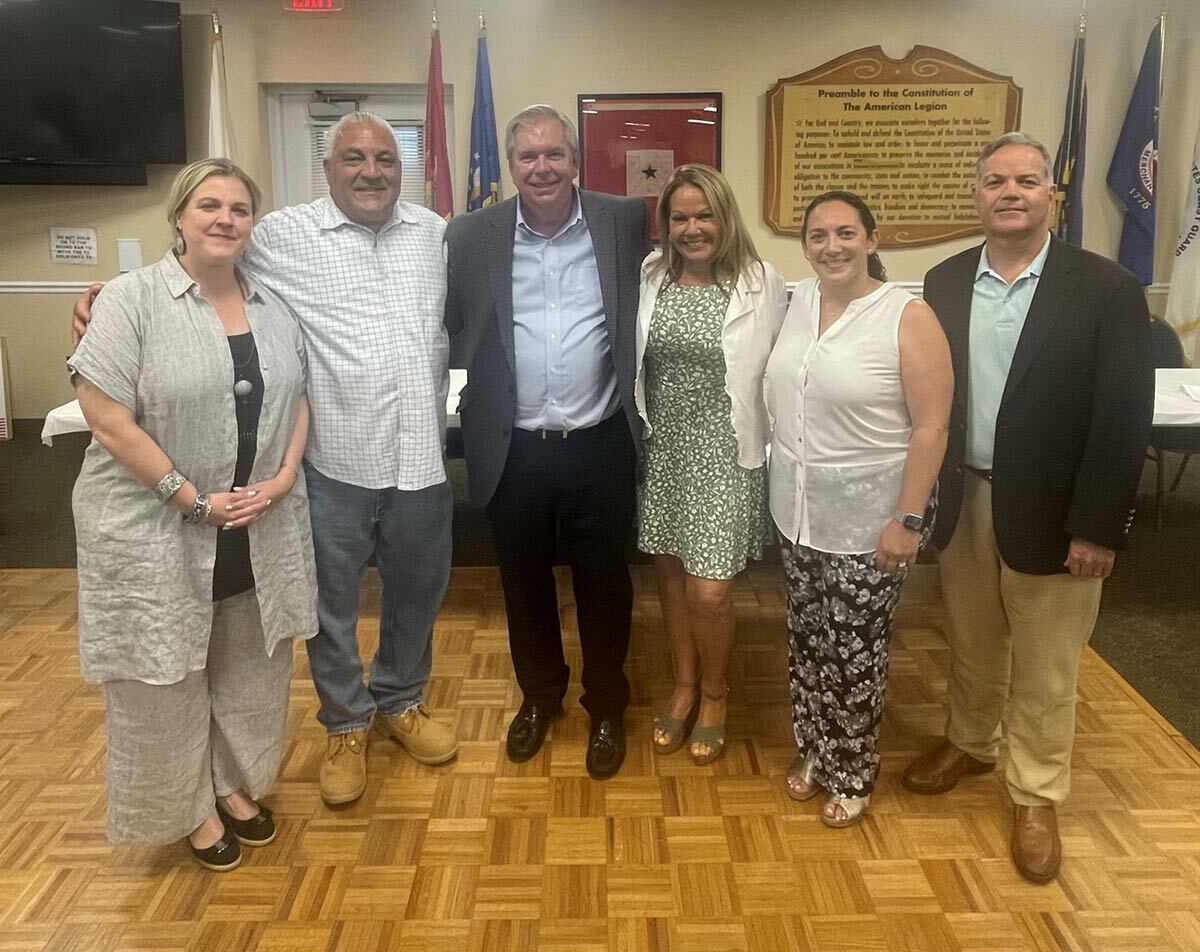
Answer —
410 143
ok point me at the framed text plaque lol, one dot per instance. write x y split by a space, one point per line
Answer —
903 134
630 142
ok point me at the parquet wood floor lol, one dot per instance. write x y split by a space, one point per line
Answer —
488 855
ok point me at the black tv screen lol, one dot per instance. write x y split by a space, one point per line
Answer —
91 82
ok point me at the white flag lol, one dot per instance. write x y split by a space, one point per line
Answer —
220 127
1183 302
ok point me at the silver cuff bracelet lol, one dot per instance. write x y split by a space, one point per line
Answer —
169 485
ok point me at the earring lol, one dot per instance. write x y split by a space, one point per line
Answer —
180 245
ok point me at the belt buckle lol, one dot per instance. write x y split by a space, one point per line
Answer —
560 434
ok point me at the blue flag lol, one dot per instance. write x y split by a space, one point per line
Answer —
1134 165
1072 151
483 175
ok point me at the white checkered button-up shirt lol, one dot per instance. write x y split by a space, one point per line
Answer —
371 309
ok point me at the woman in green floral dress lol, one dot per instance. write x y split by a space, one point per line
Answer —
709 312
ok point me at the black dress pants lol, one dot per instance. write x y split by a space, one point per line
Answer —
581 486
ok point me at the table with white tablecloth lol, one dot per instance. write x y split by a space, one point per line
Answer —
69 417
1177 397
1176 403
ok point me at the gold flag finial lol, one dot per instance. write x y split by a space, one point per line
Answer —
482 21
435 26
216 23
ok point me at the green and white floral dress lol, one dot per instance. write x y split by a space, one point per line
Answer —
696 502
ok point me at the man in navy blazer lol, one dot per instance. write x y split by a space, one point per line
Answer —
541 308
1051 416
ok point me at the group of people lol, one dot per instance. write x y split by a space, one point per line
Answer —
248 462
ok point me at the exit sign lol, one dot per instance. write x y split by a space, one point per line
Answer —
312 6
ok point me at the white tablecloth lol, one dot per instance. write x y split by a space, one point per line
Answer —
1173 405
69 418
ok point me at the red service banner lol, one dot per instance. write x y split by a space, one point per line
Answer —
313 6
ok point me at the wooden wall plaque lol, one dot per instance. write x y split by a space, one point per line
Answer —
903 134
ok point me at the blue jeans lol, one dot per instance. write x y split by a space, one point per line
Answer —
409 534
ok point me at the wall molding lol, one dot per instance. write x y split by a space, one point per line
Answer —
43 287
1158 289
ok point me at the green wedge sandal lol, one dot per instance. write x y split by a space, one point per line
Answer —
712 737
670 732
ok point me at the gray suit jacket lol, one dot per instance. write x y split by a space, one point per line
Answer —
479 318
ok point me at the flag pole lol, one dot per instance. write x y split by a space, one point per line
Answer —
1162 52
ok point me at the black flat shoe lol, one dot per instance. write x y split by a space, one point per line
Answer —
222 856
528 730
606 747
257 831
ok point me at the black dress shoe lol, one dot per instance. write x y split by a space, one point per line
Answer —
222 856
259 830
606 746
528 730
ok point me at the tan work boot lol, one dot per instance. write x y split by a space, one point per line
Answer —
344 769
426 741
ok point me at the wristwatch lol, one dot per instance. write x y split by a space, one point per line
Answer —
910 520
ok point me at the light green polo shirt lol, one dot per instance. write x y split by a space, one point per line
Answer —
998 311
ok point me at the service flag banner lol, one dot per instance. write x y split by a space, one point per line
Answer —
1072 149
1135 165
1183 299
221 143
438 194
483 176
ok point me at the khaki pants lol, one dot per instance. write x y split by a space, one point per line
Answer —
1017 638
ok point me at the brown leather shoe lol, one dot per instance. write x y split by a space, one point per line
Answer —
939 769
1036 848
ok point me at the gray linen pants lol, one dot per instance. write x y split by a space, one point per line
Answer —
173 747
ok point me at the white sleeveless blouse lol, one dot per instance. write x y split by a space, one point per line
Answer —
840 424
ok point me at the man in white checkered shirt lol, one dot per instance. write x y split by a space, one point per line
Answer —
365 275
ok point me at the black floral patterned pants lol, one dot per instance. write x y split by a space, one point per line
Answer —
839 626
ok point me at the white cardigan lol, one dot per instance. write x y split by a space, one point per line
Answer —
752 321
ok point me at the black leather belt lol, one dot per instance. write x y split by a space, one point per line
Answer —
981 473
544 434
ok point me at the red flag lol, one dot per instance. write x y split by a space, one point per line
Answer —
438 195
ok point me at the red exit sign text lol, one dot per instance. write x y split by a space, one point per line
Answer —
312 6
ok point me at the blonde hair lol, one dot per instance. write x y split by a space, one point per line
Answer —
190 176
735 250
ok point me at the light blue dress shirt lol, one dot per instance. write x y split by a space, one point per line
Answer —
565 374
998 312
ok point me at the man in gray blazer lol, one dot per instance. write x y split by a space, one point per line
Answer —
541 308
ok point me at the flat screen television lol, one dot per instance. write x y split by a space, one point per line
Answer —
89 84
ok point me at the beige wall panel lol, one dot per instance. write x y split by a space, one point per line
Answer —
551 50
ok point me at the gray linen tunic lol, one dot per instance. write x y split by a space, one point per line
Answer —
145 577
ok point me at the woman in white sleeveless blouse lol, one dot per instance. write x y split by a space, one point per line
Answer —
858 389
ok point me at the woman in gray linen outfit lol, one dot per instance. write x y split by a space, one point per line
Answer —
194 547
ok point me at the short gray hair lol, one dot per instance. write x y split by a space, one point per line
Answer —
1013 138
357 118
539 113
